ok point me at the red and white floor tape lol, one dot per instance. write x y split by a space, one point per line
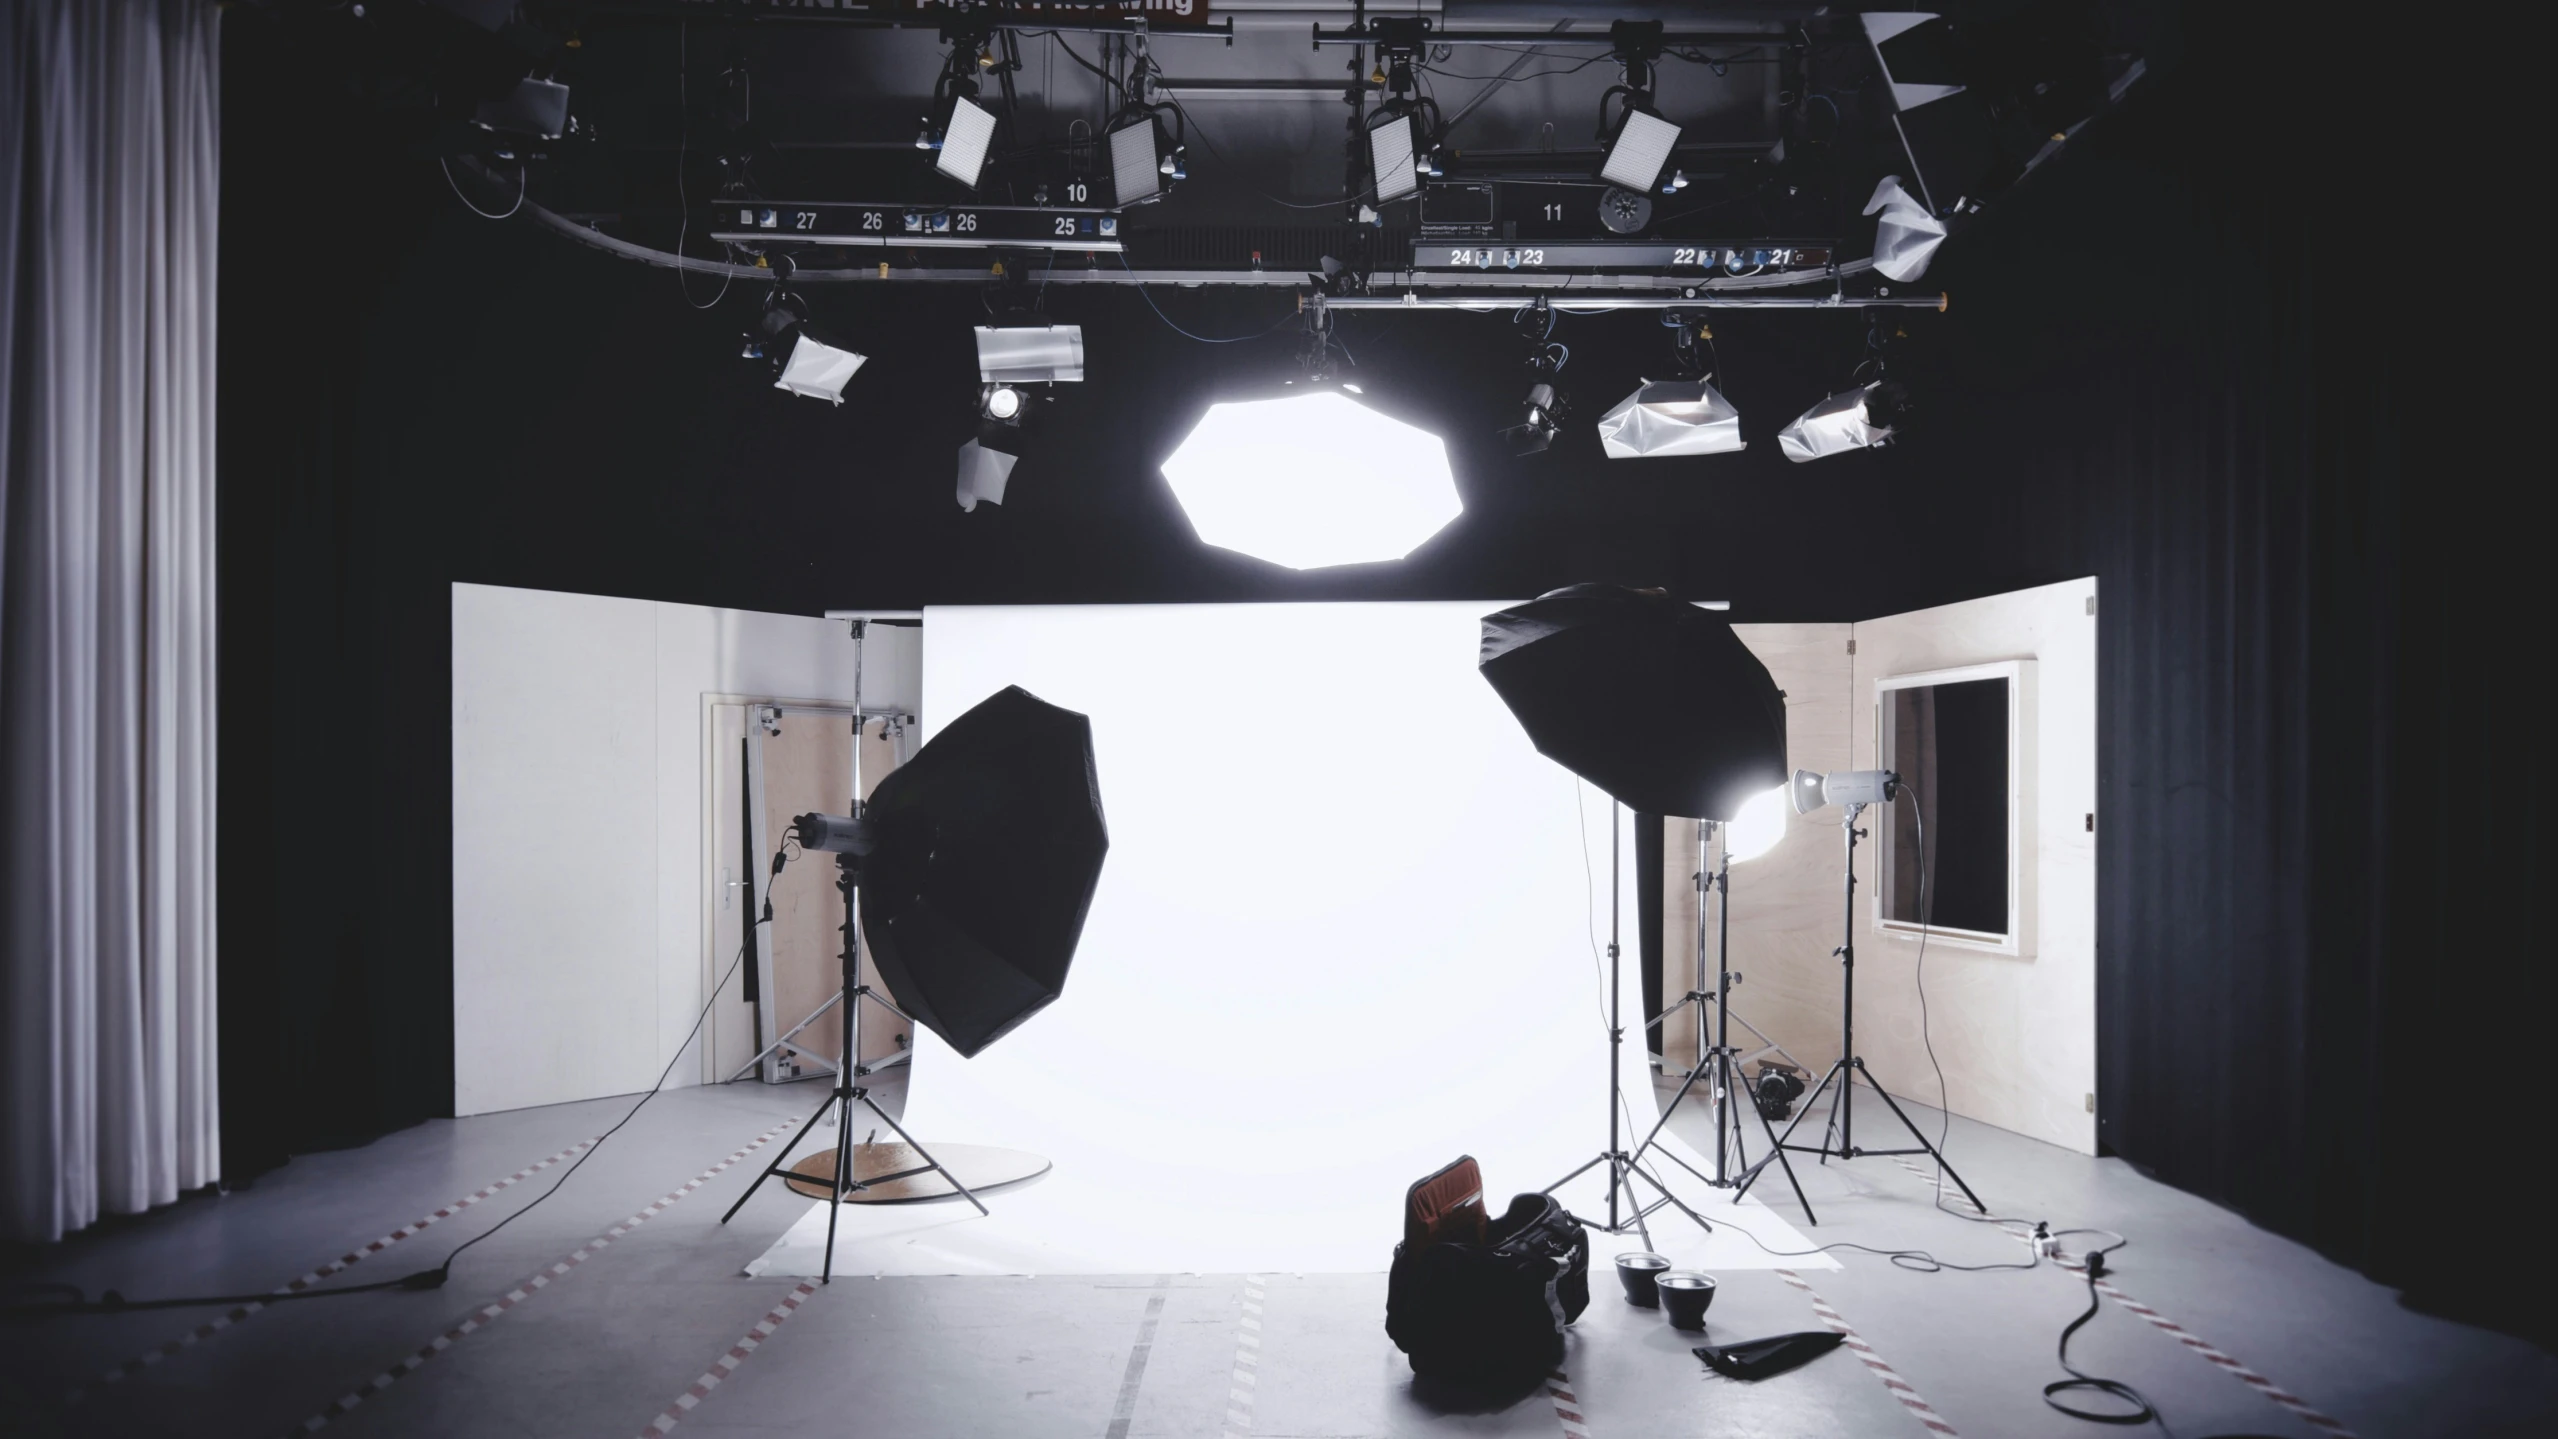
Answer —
1899 1387
490 1313
211 1327
2170 1328
1567 1406
727 1363
1245 1382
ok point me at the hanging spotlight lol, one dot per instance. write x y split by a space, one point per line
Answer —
1000 402
1906 235
1639 151
1544 420
1136 161
803 364
1030 354
1671 417
1855 419
1545 405
964 141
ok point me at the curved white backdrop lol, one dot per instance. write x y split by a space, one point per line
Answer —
1346 932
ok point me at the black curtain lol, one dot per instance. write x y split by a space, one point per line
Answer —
1648 893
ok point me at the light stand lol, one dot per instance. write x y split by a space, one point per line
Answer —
1626 1209
849 1071
1720 1059
1839 1137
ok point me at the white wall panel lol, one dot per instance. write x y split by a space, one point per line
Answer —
578 823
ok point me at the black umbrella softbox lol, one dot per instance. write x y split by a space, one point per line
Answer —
1651 699
989 846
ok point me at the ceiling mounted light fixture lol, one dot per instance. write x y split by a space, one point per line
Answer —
803 364
1030 354
1390 156
965 138
1671 417
1640 151
1136 165
1855 419
1312 480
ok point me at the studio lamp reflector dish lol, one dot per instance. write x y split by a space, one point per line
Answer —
1642 147
818 370
1671 417
964 141
1312 480
1390 154
1651 699
1906 236
1834 426
1135 167
987 848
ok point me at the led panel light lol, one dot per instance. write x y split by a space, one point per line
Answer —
1642 147
1390 153
1029 354
1134 165
818 370
964 141
1671 417
1312 480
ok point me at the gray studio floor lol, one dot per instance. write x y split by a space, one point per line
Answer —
646 1330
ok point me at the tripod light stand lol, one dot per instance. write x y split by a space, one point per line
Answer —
1659 704
1854 789
1721 1060
971 868
1626 1208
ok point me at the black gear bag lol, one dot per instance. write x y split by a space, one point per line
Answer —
1483 1302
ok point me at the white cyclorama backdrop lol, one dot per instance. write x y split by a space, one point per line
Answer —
1347 930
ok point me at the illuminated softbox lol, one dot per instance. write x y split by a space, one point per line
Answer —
1312 480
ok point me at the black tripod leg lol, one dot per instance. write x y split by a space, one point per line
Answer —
1933 1152
1675 1201
1669 1109
843 1182
779 1160
1776 1151
1802 1111
1575 1174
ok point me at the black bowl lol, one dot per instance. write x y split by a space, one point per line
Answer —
1636 1270
1686 1294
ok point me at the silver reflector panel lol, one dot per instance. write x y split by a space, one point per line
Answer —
1832 427
1670 417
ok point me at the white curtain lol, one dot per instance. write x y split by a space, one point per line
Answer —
109 124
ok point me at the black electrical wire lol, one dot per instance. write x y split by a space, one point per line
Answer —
2141 1412
111 1302
1185 334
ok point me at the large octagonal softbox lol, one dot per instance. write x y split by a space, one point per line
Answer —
989 846
1651 699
